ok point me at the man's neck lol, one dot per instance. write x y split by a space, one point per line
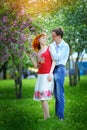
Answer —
59 41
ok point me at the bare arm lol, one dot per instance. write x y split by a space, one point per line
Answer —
50 76
52 67
33 60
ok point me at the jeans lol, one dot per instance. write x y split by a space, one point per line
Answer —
59 75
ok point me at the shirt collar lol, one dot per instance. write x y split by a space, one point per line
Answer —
59 44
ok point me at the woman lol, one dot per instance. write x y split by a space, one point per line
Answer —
45 65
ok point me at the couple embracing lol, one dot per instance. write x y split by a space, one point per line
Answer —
51 66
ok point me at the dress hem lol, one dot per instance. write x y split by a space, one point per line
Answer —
42 99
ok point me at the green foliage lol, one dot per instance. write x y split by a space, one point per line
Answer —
26 114
72 17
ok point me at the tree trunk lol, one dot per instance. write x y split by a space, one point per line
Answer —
70 80
70 76
78 74
76 71
18 81
17 70
18 87
5 70
74 77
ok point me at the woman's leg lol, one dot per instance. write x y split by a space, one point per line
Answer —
45 108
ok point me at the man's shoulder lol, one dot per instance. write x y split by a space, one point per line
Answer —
65 43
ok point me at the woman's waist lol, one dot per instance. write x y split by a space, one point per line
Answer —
44 70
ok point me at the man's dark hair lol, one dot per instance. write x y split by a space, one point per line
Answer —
58 31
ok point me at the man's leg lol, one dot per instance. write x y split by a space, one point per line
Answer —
59 92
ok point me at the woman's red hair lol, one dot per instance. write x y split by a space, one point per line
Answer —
36 43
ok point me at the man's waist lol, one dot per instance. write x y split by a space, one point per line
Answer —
60 65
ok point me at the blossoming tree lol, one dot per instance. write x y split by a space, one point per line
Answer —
15 40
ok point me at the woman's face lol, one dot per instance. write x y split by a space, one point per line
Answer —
42 40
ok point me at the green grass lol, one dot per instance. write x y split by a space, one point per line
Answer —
26 114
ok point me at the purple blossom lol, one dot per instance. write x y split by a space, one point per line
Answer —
13 35
30 19
1 37
24 23
5 19
12 39
15 23
32 28
22 11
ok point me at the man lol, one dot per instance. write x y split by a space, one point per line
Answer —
60 52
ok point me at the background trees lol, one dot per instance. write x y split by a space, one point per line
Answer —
21 20
72 18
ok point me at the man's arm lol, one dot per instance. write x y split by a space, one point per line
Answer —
61 52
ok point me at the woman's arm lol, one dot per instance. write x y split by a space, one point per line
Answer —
51 71
52 67
33 60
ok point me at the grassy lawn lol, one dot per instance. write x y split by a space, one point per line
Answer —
26 114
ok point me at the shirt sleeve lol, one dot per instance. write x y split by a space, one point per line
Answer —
62 52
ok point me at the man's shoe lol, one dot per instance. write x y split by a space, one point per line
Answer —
61 119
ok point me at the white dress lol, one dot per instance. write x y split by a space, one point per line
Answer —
44 88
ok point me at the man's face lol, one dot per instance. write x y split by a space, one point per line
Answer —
54 36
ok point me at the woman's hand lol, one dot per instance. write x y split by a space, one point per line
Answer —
49 78
41 59
32 57
28 53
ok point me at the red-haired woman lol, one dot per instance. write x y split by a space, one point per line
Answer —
45 65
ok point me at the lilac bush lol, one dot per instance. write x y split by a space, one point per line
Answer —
13 35
15 40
